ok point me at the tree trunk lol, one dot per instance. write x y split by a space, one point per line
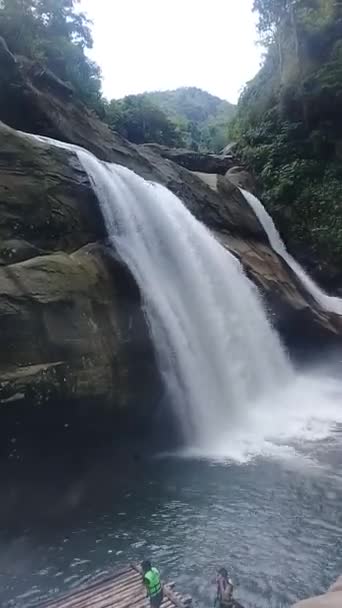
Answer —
280 53
299 58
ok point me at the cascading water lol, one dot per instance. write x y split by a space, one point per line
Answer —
215 346
216 349
330 303
218 355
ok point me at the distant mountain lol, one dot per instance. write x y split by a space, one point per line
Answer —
201 118
192 104
186 117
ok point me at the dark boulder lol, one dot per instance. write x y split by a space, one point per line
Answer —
195 161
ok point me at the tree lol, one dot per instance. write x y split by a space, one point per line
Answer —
289 131
56 34
271 13
137 119
201 118
276 17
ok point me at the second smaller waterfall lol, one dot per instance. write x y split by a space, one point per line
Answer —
330 303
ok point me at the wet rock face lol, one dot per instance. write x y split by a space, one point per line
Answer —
46 200
71 320
69 331
195 161
70 315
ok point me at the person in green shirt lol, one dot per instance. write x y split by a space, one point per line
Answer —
151 579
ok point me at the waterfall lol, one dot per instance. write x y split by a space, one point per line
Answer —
215 347
329 303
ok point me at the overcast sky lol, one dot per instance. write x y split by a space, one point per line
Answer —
148 45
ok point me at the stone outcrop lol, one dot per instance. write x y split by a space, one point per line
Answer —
289 306
71 320
195 161
241 178
71 331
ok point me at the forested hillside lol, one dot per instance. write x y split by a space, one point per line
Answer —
289 125
186 117
57 36
139 120
202 118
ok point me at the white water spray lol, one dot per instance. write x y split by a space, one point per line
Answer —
330 303
216 349
231 383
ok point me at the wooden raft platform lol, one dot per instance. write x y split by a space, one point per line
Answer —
122 589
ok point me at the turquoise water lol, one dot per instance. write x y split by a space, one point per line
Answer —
276 523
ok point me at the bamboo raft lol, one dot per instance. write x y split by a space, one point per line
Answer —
122 589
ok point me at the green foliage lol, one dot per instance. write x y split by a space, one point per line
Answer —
201 119
272 14
288 123
57 35
192 104
54 33
137 119
186 117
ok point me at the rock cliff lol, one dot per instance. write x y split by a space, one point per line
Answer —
70 316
